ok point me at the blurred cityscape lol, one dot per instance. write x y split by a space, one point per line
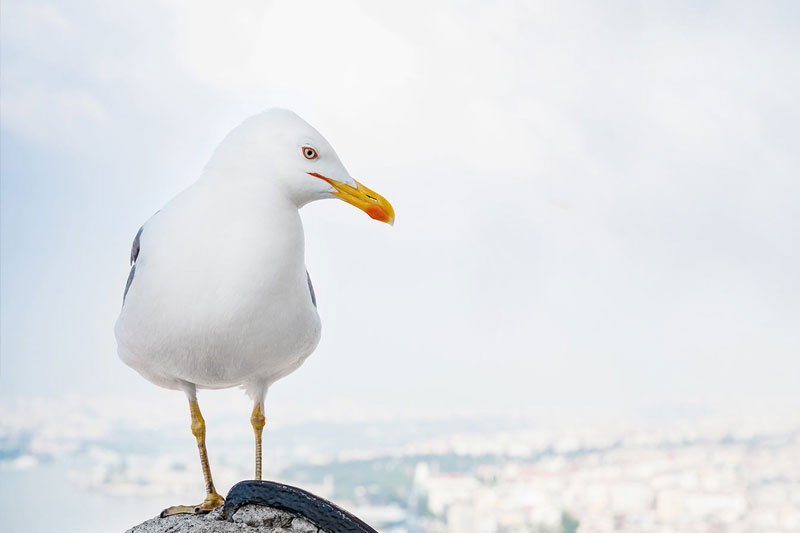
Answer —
121 462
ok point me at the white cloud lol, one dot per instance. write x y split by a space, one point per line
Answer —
588 195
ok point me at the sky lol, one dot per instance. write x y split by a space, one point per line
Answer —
598 207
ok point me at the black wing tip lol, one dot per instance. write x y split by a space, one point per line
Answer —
134 255
135 245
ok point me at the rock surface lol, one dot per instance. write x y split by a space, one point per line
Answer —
248 519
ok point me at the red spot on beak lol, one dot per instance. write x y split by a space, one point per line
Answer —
377 213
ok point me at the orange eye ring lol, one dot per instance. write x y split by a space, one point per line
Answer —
309 153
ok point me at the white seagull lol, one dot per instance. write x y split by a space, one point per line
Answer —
218 294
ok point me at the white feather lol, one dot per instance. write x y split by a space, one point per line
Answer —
220 296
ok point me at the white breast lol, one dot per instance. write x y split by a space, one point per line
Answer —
220 296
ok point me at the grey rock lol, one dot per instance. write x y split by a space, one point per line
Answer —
248 519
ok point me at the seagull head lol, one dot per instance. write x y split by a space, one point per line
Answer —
280 148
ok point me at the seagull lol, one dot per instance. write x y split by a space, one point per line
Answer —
218 293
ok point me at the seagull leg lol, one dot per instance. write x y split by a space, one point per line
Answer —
213 500
258 421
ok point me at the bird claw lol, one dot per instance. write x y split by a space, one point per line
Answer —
211 502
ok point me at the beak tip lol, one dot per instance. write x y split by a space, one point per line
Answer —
379 214
372 203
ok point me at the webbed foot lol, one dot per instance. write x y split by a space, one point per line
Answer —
211 502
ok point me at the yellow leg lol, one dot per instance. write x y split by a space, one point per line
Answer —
258 421
213 500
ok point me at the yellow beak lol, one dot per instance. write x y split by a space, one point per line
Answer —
372 203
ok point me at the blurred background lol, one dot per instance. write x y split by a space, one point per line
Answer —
586 318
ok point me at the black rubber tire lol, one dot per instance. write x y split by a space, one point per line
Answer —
298 502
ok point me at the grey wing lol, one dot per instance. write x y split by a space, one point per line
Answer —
134 255
310 289
135 246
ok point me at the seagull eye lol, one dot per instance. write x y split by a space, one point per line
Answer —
310 153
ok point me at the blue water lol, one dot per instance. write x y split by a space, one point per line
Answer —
44 499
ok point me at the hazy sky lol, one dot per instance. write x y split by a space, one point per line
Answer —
596 206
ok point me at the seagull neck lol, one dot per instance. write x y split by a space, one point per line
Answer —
248 188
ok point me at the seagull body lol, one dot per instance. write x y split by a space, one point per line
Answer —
219 295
